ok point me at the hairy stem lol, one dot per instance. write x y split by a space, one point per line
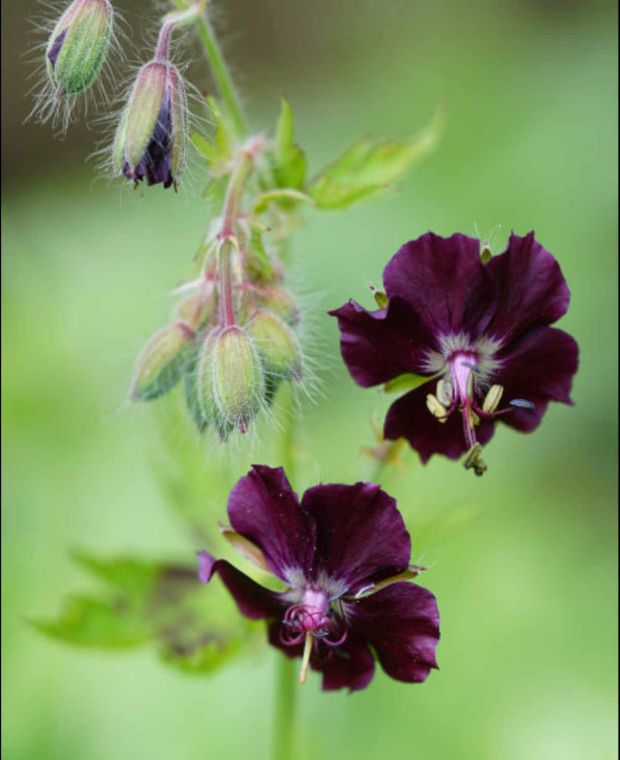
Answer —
232 207
221 73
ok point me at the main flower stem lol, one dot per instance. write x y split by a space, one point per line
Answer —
284 715
286 682
220 72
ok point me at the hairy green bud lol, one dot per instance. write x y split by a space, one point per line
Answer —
230 382
162 362
196 310
281 302
78 46
277 345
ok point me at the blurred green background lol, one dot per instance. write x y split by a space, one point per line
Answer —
523 561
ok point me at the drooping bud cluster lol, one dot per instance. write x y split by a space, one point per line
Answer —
229 371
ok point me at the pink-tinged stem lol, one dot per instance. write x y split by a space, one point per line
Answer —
232 206
227 306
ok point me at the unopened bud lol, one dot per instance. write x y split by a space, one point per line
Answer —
277 345
78 46
162 362
280 302
151 139
231 388
196 309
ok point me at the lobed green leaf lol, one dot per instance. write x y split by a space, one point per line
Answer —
370 166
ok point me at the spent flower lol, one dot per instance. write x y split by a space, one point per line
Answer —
343 554
472 339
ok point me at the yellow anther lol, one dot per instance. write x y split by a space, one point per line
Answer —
473 459
444 392
492 399
435 408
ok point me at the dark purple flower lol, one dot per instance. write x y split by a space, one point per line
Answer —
478 331
343 554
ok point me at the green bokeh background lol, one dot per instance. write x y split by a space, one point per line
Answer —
523 561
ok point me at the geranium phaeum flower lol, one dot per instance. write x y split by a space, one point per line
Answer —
342 553
478 331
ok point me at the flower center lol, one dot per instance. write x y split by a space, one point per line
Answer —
312 616
465 386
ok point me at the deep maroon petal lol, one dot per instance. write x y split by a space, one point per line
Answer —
380 345
532 289
264 508
538 368
360 535
402 623
253 600
348 666
409 418
445 282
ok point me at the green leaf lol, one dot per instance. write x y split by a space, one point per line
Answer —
218 150
204 146
284 196
192 627
407 382
98 623
369 166
290 161
257 260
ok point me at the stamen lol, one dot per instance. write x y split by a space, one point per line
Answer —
522 403
305 660
492 399
435 408
445 392
473 460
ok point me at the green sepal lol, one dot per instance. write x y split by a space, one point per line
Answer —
407 382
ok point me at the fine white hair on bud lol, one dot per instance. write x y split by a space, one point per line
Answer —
230 380
74 55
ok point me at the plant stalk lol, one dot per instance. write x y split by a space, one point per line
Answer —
220 72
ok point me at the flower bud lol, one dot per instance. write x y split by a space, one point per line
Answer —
277 345
162 362
151 139
78 46
280 302
230 383
196 310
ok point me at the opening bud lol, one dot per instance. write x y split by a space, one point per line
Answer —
162 362
151 139
277 345
78 46
230 382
